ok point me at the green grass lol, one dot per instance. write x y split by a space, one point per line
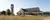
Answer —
21 18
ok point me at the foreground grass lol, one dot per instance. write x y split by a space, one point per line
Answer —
21 18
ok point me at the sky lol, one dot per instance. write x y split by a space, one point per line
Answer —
44 5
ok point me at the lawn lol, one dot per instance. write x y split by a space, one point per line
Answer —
21 17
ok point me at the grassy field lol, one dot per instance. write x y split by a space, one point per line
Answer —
21 18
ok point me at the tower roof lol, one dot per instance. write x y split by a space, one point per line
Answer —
12 4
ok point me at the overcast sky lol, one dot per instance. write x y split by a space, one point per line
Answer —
44 5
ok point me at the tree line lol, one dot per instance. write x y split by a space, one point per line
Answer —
7 12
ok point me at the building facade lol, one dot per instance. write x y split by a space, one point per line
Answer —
29 11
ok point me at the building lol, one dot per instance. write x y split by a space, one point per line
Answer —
12 9
29 11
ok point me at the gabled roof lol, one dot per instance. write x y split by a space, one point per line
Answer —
36 9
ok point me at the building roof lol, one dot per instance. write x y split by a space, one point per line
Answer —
36 9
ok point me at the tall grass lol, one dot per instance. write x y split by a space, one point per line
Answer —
20 18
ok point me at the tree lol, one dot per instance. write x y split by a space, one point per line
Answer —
46 13
0 12
3 12
8 12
